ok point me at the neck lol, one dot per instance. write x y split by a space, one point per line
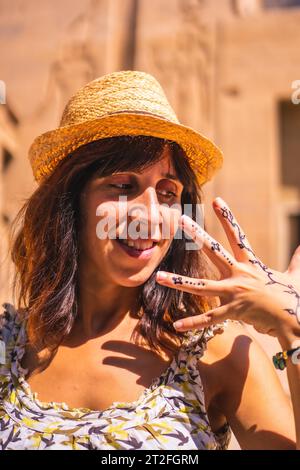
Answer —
104 306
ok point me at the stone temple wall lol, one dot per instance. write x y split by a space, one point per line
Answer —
225 67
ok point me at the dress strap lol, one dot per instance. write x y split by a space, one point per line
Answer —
10 322
195 341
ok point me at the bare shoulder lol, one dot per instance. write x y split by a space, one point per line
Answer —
225 362
229 345
237 355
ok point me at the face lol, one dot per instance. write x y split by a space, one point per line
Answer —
128 222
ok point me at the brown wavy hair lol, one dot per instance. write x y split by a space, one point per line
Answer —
45 244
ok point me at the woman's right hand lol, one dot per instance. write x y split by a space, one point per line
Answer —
248 289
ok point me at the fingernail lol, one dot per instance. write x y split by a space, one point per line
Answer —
219 201
178 324
183 219
161 275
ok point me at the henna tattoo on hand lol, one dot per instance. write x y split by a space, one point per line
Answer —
178 280
227 214
291 289
214 246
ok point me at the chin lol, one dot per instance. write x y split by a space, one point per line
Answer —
133 280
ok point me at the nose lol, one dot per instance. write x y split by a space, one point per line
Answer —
145 210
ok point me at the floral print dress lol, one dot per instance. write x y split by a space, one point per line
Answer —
170 414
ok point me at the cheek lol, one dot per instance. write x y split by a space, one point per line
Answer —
99 252
90 240
99 218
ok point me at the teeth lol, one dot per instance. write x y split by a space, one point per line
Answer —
138 245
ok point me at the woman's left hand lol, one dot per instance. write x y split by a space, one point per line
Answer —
248 290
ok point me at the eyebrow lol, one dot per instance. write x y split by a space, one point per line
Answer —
165 175
170 176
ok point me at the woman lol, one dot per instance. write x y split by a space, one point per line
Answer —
92 326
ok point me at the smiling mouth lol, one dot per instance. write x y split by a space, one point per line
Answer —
138 245
137 250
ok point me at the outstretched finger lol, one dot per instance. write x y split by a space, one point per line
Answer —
191 285
240 245
212 317
214 250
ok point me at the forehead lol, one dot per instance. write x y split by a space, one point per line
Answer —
165 162
166 154
141 162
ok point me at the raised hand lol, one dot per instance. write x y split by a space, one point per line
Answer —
248 289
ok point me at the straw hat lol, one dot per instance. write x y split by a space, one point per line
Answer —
127 102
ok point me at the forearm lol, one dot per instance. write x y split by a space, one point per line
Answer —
289 341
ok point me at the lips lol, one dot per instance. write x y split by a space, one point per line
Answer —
139 245
135 252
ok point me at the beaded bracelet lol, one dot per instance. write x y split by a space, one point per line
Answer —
279 360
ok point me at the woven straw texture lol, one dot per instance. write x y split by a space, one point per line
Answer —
121 103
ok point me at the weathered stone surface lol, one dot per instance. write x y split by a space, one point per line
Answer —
224 67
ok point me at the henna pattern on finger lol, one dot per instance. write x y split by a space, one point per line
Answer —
214 246
178 280
227 214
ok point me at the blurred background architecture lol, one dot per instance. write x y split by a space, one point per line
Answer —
230 68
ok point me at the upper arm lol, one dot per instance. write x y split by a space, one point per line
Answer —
249 392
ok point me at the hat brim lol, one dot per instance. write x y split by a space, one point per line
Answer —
49 148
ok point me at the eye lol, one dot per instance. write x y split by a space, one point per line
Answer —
167 189
168 194
121 184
